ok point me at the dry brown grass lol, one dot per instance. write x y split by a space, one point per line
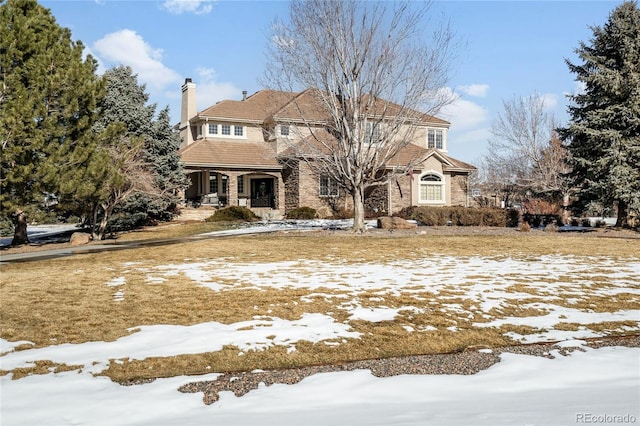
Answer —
67 300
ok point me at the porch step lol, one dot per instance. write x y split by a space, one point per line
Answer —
268 213
194 214
199 214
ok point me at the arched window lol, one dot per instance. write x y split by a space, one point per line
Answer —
431 188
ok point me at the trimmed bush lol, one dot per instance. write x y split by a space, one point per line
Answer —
459 216
233 213
302 213
542 220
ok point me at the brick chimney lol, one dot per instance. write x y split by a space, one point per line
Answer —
188 111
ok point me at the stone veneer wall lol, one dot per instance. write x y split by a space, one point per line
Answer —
376 200
401 196
459 190
291 178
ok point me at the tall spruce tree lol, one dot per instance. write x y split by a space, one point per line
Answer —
126 102
48 105
603 136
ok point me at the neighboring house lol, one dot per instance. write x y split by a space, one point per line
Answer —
239 153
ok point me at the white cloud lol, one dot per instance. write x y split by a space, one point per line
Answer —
210 91
549 101
126 47
463 114
476 90
198 7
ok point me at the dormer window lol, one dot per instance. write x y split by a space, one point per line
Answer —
225 130
435 139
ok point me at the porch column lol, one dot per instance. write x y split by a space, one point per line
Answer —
233 189
204 183
280 204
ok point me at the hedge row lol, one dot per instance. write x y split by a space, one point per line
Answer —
460 216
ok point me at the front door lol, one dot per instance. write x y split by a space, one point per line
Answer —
262 193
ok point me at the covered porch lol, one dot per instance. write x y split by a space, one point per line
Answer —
259 190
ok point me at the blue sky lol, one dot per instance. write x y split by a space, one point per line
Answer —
510 48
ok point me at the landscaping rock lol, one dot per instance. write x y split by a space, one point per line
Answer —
79 238
389 222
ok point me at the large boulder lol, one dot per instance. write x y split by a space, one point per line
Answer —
390 222
79 238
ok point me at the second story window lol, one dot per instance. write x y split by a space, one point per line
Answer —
434 139
213 129
226 129
373 132
238 130
284 130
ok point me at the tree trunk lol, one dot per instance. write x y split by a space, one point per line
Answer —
20 236
358 211
621 221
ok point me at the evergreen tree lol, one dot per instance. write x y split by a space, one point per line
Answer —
48 105
603 136
126 102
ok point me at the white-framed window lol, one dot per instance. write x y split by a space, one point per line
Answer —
475 192
225 130
328 187
284 130
373 132
432 188
435 139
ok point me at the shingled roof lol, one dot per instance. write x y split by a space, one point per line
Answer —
229 154
273 105
256 108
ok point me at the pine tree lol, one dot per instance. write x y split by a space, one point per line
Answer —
48 105
603 136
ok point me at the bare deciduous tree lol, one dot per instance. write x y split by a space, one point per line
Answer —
372 76
526 146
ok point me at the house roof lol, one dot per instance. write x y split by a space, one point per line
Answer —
229 154
450 164
256 108
273 105
410 153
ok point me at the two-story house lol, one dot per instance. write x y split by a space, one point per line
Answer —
239 153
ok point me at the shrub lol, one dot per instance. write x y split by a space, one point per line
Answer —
233 213
343 214
552 227
541 220
459 216
585 222
302 213
600 223
525 227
